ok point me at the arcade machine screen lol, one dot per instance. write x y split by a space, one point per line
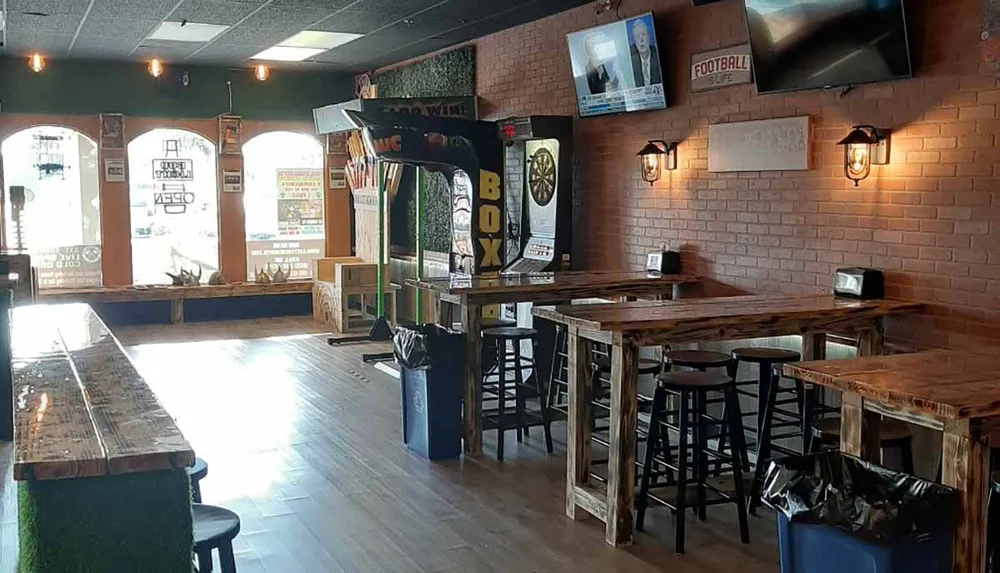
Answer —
462 251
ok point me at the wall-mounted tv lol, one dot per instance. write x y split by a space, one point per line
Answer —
811 44
616 67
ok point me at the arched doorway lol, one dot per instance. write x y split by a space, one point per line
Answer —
57 219
173 193
283 202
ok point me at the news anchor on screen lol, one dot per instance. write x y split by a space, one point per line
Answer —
601 77
645 58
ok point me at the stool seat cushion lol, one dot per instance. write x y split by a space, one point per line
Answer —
890 430
199 470
760 354
680 380
697 358
646 366
213 525
510 332
488 323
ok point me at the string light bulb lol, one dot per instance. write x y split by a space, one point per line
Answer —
155 68
36 63
261 72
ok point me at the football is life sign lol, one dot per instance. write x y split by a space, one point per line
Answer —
720 68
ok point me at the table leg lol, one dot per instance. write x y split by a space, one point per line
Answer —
859 430
177 311
472 316
965 463
814 345
621 460
871 341
578 422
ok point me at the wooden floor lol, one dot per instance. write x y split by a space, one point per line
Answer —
303 442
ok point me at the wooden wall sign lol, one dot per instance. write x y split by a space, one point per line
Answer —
765 145
720 68
230 135
112 131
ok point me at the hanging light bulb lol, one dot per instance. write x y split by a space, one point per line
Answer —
864 146
36 63
155 68
261 72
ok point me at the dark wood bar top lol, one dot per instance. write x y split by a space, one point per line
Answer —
717 313
81 408
165 292
540 287
946 384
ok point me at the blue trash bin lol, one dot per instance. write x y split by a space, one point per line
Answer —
432 367
837 513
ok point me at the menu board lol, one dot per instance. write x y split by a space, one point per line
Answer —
300 202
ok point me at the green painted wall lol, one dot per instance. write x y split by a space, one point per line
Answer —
76 87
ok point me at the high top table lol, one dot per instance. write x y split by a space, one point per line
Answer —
629 326
471 293
955 391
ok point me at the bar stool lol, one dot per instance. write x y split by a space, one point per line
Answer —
489 355
993 526
214 528
892 434
196 473
495 387
693 389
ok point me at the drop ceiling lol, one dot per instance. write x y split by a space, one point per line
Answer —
393 30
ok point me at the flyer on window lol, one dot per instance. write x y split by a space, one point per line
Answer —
300 202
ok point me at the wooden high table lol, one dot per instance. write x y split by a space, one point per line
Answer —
471 293
955 391
629 326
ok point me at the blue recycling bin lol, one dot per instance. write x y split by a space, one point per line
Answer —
432 366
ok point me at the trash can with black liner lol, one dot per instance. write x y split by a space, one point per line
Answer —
838 513
432 366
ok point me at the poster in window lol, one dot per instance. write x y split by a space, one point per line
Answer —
112 131
300 202
68 267
114 169
230 134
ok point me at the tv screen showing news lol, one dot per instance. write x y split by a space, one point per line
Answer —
810 44
616 67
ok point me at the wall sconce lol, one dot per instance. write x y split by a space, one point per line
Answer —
656 156
36 63
863 147
261 72
155 68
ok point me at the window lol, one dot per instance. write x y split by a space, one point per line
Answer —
283 201
174 205
57 218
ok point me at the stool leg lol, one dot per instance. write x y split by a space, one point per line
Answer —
682 444
659 401
205 561
738 452
546 414
992 528
227 563
763 444
196 491
502 394
519 399
809 401
553 389
700 457
906 452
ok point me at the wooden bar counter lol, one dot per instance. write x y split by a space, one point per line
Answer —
471 293
956 391
629 326
100 464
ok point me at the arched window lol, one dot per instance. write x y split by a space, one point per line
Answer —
283 201
174 205
57 217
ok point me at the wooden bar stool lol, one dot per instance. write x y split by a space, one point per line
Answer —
692 455
196 473
497 387
892 434
214 528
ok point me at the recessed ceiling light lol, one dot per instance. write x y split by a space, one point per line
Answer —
288 54
187 31
313 39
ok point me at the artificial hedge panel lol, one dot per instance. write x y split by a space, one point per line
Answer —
116 523
447 74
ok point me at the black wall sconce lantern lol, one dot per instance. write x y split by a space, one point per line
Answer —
656 156
864 146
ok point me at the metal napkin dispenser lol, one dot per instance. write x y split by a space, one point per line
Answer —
664 262
859 282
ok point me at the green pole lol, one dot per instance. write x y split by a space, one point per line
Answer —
418 303
379 310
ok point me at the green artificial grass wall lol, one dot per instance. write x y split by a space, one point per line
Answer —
112 524
451 73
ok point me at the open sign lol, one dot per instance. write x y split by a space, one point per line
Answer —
173 202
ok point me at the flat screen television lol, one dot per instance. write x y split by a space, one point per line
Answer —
811 44
616 67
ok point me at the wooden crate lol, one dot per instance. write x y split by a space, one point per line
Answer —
348 311
326 268
355 275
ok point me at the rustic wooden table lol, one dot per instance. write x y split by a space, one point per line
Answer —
629 326
955 391
471 293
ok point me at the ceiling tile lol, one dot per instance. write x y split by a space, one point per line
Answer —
46 43
48 6
65 24
132 9
329 5
356 21
271 25
227 12
166 51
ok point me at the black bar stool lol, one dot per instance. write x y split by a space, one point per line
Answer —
496 387
214 528
892 434
196 473
693 389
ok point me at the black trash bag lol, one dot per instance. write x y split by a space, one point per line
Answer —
858 497
417 347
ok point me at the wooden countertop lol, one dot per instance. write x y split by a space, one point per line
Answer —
721 313
132 293
81 408
540 287
946 384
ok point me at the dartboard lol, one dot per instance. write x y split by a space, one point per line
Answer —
542 177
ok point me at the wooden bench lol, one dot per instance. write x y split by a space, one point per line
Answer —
94 448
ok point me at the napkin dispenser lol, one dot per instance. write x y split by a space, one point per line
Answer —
859 282
664 262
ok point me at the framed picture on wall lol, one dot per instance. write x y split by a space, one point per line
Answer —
336 143
112 131
230 135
